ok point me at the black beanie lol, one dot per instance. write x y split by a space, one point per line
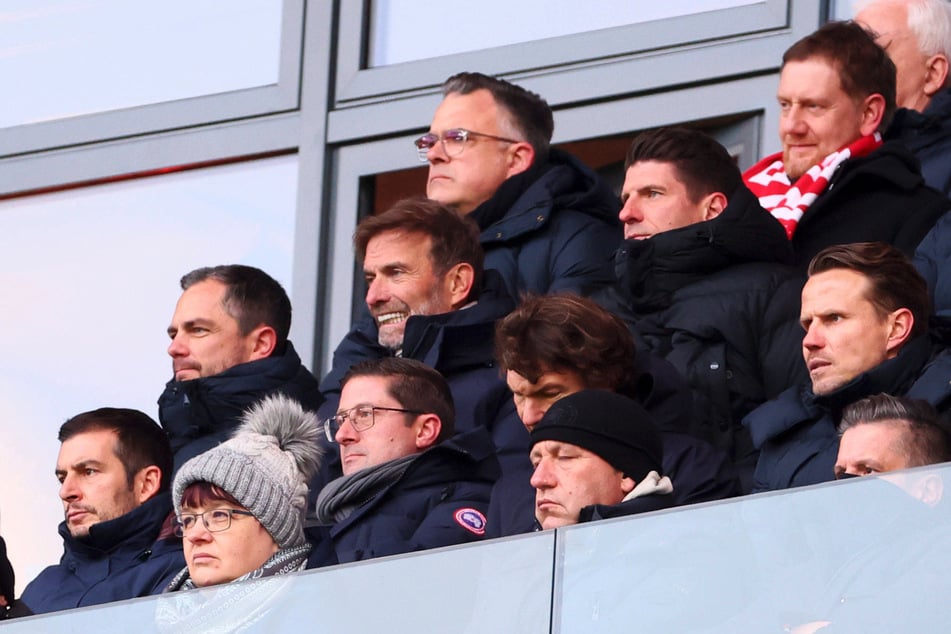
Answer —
610 425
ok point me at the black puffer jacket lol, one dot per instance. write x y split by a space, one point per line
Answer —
879 197
928 135
717 301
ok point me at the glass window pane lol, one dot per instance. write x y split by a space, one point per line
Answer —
408 30
90 281
863 555
72 57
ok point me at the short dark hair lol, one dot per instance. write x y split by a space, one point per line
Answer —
529 113
565 332
202 492
927 440
415 386
864 67
703 165
894 281
455 238
140 441
252 297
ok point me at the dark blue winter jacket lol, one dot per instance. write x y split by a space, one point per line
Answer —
928 135
202 413
440 500
933 261
551 228
120 559
797 432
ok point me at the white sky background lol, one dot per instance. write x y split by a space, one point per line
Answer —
89 281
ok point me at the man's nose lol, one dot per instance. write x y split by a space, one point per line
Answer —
541 476
377 292
630 212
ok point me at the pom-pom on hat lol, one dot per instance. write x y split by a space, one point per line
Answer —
266 466
610 425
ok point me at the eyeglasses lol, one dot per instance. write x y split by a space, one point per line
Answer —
453 141
215 520
362 417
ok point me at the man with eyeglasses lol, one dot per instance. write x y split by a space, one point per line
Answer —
547 221
409 483
114 469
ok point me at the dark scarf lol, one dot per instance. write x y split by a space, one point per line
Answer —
341 497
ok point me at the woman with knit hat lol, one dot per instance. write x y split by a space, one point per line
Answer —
240 506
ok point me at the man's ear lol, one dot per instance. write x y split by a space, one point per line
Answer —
901 323
263 341
873 109
627 485
936 75
459 280
146 483
428 431
713 205
520 157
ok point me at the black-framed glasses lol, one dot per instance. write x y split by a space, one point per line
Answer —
215 520
362 417
453 141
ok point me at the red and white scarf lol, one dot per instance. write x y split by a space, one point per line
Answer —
787 202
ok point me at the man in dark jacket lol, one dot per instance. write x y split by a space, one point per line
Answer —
865 312
596 455
915 34
547 221
703 282
835 182
229 349
555 345
114 468
430 300
409 483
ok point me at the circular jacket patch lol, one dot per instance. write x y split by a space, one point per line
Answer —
471 520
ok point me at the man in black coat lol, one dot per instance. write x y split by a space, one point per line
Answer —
865 314
836 182
547 222
704 282
229 349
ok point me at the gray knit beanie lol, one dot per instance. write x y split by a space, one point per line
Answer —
267 466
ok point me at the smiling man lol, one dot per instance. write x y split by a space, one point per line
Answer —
430 300
835 182
114 468
596 455
547 221
865 315
408 482
229 348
